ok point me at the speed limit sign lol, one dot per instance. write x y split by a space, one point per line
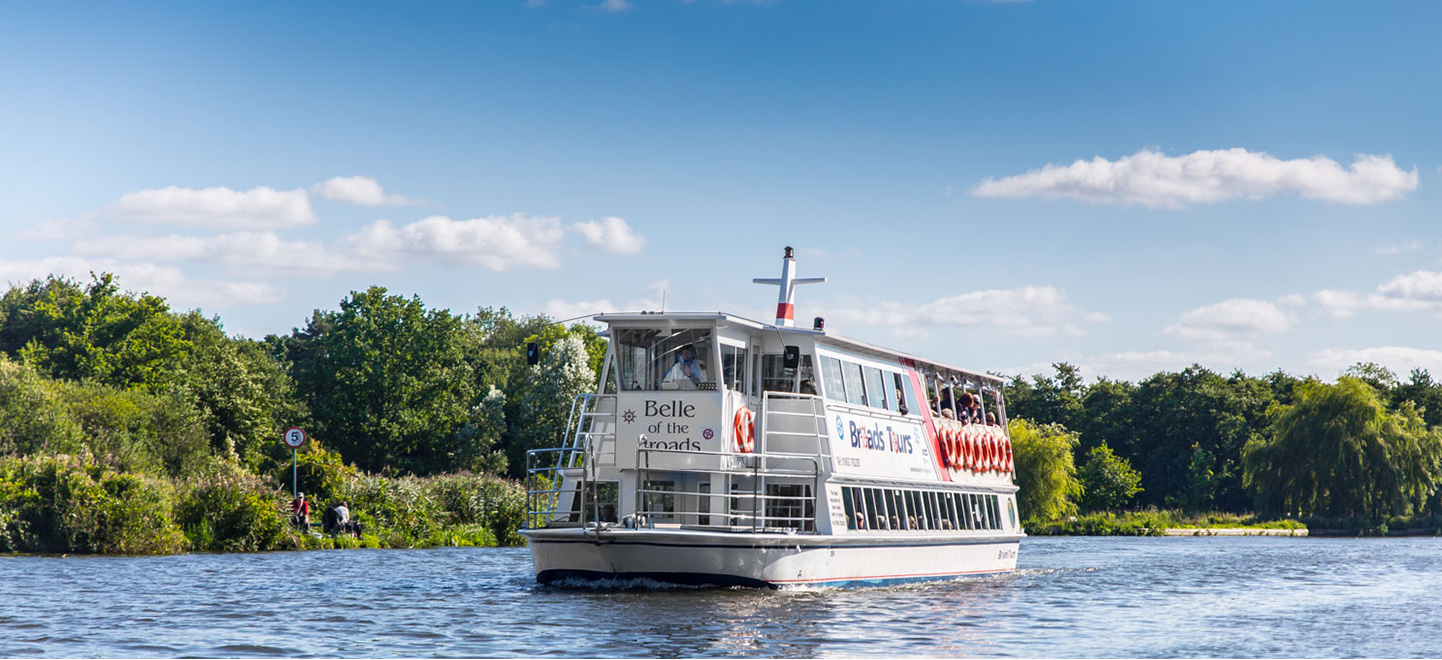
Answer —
294 437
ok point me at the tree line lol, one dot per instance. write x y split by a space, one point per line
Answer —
1366 446
99 381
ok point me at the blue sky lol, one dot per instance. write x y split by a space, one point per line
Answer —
1128 186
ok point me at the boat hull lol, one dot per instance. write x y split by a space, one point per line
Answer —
765 560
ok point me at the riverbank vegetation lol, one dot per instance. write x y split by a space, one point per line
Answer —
128 427
1362 455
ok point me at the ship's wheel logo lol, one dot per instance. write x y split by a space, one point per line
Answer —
840 429
629 416
708 434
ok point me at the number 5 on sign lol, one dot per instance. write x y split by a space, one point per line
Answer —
294 437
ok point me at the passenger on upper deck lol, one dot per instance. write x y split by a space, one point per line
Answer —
974 412
966 401
687 372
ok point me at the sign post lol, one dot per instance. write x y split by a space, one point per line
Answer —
294 437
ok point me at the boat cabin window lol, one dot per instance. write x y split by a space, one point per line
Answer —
851 377
775 377
665 359
733 366
889 509
875 391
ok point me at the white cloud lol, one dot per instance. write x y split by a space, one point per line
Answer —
1151 178
361 190
1423 288
1231 319
1031 311
1411 245
255 252
495 242
649 300
1418 291
215 208
612 234
1339 304
171 283
1399 359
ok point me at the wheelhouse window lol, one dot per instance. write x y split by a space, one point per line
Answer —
665 359
733 366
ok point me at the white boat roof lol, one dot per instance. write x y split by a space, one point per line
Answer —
624 318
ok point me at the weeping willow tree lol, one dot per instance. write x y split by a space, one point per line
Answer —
1045 470
1338 452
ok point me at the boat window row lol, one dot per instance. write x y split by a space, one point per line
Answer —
865 385
901 509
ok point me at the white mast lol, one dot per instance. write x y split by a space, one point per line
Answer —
786 300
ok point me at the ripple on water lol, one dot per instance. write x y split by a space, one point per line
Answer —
1218 596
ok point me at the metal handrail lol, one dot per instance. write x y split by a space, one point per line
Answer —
752 465
544 478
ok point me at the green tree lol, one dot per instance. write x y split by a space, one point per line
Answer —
1196 407
1108 482
477 443
1338 452
564 373
95 332
387 381
1423 393
1045 470
1048 399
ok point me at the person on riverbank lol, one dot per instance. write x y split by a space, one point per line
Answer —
300 511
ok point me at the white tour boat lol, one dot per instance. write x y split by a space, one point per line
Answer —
724 451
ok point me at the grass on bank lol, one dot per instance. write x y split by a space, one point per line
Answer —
1153 522
77 504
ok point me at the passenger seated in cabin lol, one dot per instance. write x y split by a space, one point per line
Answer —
808 387
860 520
911 522
687 373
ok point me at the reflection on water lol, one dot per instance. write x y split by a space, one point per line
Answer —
1086 597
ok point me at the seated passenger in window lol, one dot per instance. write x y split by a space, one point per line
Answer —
687 373
808 387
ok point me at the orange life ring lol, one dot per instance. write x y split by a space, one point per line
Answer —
975 441
995 451
940 441
988 449
745 429
1010 460
953 448
948 446
969 442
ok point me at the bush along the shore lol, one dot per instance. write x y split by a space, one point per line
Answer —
77 504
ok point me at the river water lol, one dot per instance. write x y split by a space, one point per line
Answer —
1072 597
